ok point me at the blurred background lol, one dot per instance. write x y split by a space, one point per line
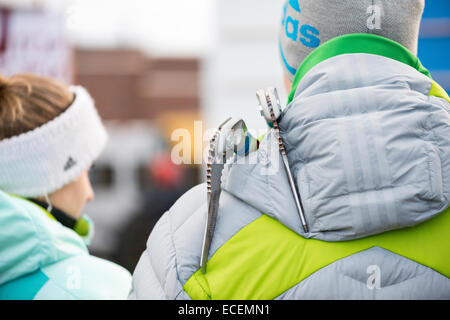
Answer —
155 66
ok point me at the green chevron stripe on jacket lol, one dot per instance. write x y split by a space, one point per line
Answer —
279 258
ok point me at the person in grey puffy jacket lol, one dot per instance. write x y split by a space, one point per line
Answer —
367 136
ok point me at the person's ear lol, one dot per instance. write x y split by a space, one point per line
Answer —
287 84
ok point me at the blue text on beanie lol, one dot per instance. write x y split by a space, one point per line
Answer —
306 24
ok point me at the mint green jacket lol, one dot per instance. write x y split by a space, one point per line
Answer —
42 259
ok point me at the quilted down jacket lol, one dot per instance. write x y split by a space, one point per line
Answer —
367 134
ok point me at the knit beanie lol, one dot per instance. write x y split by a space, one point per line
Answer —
306 24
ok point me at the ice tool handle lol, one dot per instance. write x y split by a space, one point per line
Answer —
231 137
270 108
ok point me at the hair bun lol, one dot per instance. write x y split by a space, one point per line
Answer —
10 97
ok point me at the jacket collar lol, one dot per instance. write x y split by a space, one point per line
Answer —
356 43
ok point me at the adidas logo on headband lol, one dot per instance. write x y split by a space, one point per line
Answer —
69 164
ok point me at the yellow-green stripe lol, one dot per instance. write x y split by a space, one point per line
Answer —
438 91
265 258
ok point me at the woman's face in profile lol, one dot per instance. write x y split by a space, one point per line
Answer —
72 197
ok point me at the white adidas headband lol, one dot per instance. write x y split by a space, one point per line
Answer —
45 159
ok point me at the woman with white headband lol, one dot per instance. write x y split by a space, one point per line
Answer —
50 135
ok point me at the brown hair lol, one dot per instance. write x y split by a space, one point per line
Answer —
28 101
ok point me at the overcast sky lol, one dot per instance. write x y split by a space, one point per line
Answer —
159 26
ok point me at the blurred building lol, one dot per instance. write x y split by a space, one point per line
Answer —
128 85
141 100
